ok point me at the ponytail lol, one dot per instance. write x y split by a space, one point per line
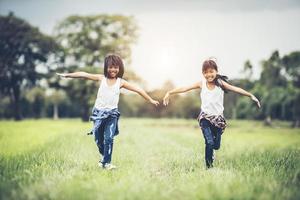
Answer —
218 81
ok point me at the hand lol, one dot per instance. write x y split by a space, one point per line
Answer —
154 102
255 100
166 99
61 75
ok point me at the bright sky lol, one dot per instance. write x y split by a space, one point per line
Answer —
175 36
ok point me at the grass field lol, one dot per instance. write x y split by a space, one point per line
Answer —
156 159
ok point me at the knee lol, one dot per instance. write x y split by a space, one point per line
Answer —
209 144
108 140
217 147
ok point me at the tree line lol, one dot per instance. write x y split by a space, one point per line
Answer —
30 89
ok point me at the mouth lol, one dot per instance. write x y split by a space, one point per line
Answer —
112 73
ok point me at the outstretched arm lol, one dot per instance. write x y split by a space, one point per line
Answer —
180 90
140 91
85 75
240 91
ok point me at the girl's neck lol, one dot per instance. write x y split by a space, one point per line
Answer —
210 85
111 78
111 81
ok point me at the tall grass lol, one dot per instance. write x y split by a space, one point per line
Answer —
156 159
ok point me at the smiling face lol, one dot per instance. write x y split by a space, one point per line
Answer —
210 74
209 70
112 71
113 66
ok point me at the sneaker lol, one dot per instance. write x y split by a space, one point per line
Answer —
214 156
109 166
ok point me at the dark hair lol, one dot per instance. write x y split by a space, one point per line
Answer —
211 64
116 61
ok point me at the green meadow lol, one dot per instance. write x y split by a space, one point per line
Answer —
156 159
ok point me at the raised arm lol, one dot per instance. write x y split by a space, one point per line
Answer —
240 91
180 90
85 75
140 91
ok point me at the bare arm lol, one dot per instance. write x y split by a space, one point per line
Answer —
180 90
240 91
128 86
85 75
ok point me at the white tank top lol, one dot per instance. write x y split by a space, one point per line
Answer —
212 100
108 96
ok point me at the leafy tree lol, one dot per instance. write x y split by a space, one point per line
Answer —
272 74
88 39
292 66
248 69
291 63
22 48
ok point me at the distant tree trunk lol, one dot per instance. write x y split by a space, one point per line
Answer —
296 110
15 99
268 121
55 111
234 113
85 113
296 123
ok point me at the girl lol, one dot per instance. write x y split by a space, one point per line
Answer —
105 113
211 119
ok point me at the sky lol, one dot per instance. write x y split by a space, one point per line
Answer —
176 36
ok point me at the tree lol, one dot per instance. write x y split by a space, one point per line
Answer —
22 48
273 72
88 39
36 97
55 98
248 69
291 63
272 76
292 66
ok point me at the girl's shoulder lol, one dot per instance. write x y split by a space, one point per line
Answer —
201 83
100 77
122 81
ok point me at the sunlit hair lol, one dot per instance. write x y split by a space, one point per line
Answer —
210 63
114 60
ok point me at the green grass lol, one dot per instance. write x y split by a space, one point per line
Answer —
157 159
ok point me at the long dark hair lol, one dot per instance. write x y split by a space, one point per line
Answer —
210 63
116 61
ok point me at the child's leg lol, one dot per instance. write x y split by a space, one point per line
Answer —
99 139
217 137
209 141
109 131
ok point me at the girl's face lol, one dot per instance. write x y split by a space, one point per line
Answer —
112 71
210 74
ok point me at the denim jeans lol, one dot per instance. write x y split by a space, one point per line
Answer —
104 138
212 136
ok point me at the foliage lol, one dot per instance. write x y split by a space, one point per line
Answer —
22 48
88 39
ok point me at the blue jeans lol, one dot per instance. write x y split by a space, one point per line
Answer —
104 138
212 136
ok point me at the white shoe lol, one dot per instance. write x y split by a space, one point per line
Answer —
109 166
214 156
